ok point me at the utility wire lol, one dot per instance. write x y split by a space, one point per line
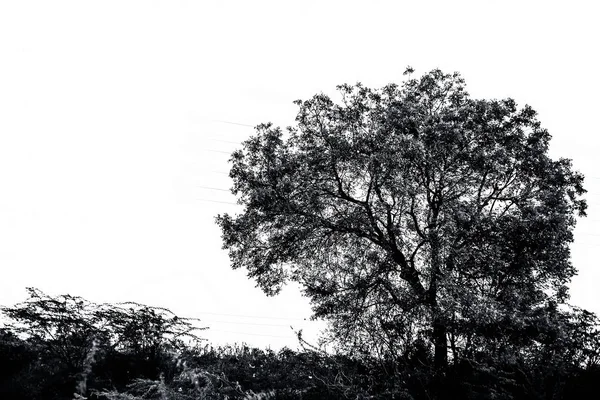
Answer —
241 323
217 151
251 316
217 201
213 188
251 334
232 123
224 141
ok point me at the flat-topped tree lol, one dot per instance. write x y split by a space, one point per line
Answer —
408 212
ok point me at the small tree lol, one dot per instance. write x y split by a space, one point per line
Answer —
409 212
72 335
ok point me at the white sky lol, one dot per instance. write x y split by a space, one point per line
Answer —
108 111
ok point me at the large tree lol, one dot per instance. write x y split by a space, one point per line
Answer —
411 212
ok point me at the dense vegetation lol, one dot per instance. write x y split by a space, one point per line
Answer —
68 348
432 232
410 213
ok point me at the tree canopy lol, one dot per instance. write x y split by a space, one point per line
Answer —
410 214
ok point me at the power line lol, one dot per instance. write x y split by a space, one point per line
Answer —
242 323
213 188
251 334
217 201
232 123
224 141
250 316
217 151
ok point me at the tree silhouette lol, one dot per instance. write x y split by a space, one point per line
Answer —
410 214
73 339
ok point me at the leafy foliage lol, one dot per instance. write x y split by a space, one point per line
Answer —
430 229
33 366
72 338
410 213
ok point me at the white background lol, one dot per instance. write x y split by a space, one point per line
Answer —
110 111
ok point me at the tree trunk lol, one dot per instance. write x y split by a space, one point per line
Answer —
440 344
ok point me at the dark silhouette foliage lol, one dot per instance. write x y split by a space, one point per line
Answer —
34 362
65 344
431 230
421 223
